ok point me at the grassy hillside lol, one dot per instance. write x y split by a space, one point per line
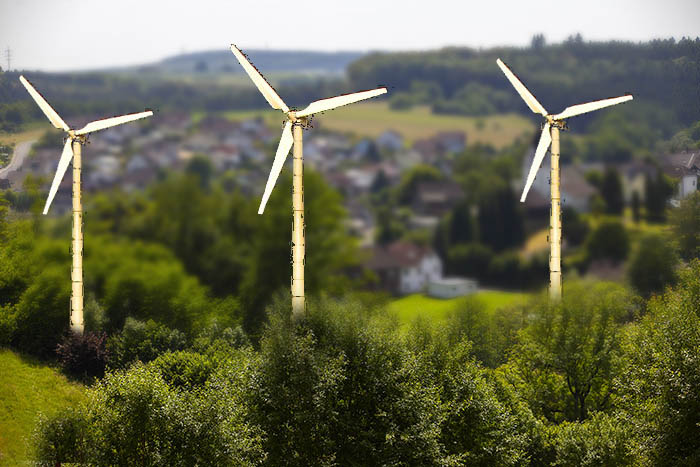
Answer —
410 307
373 118
28 388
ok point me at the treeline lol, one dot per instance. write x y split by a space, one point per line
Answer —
106 94
584 382
467 81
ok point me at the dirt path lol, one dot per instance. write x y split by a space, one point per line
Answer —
21 151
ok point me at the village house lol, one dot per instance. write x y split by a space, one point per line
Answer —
436 199
684 167
390 140
404 267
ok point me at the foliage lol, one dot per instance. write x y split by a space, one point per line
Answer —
599 441
686 226
574 227
135 418
661 374
657 191
564 361
481 424
611 191
608 241
83 355
142 341
469 259
410 180
333 389
652 266
500 219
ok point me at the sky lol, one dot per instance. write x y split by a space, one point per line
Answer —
66 35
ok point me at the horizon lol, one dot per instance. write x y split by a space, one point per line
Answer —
126 39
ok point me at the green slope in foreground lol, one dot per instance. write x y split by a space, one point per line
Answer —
410 307
28 388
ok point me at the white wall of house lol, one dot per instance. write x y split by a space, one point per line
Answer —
687 185
416 278
451 287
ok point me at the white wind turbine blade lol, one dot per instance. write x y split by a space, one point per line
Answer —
282 150
333 102
591 106
527 96
267 91
66 157
113 121
44 106
545 141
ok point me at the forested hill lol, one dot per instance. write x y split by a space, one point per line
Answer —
464 80
271 61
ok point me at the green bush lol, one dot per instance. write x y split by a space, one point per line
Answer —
334 389
135 418
601 440
661 375
142 341
184 369
608 241
652 266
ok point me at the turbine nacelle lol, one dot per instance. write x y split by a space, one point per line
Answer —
293 115
72 134
551 120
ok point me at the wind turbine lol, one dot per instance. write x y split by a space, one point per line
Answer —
550 135
72 150
292 135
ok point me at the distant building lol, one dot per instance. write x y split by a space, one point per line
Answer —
391 140
404 267
451 287
576 192
436 198
685 168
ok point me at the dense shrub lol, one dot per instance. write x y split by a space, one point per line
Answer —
652 266
136 418
83 355
142 341
601 440
661 375
608 241
333 389
184 369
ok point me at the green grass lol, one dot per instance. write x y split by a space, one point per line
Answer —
373 118
28 388
411 307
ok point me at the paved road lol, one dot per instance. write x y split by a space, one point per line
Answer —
21 151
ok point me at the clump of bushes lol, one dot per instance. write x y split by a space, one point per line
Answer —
83 355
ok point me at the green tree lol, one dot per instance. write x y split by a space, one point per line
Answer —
686 226
657 191
636 207
660 380
611 191
500 219
410 180
329 249
652 266
336 389
608 241
564 362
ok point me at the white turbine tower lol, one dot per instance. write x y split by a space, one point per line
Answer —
550 135
72 150
292 135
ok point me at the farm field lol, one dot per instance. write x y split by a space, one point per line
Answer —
371 119
411 307
28 388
